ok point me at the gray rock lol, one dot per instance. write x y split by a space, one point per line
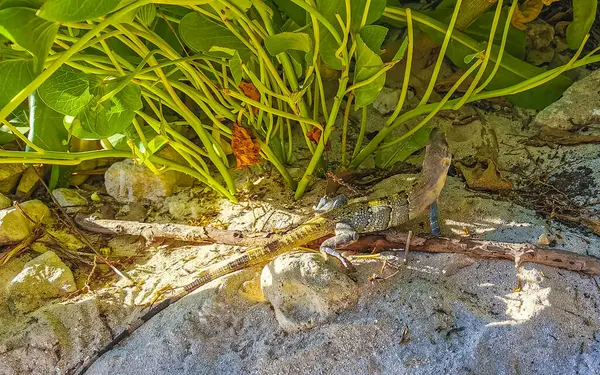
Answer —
128 182
305 290
70 199
133 212
387 100
578 107
42 278
15 227
5 201
9 176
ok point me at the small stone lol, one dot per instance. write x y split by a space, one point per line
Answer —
70 199
133 212
5 201
128 182
305 290
29 181
387 100
42 278
15 227
9 176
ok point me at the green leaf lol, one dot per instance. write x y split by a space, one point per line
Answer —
387 157
242 5
47 130
154 145
367 64
200 33
15 75
373 36
34 4
76 10
282 42
119 140
235 65
584 14
293 11
146 14
24 28
7 136
512 70
328 45
162 28
399 55
112 116
67 91
516 42
358 8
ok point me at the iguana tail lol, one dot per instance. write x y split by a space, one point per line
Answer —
251 257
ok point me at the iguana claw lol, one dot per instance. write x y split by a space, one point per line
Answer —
344 234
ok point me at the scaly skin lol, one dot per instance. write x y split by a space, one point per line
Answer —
346 222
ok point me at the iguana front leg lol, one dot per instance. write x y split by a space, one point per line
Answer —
434 219
344 235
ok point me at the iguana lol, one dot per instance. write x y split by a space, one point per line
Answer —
336 216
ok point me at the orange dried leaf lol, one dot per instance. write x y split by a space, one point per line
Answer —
245 149
528 11
314 134
250 91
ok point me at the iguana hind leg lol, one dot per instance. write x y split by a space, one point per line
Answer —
344 235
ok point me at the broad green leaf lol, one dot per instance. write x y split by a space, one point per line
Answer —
328 45
112 116
47 130
293 11
155 144
119 140
367 64
358 9
67 91
241 5
15 75
373 36
76 10
24 28
200 33
584 14
387 157
399 55
34 4
166 33
128 17
282 42
146 14
512 70
235 65
298 61
7 136
516 42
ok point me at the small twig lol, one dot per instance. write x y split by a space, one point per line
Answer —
481 249
36 233
83 238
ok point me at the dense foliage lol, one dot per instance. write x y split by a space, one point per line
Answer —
212 77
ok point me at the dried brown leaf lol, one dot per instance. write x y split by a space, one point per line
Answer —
484 177
245 149
528 11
